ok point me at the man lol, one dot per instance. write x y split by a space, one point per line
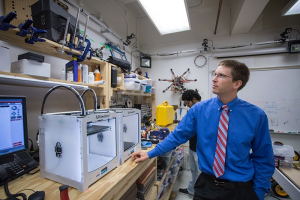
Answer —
227 129
191 97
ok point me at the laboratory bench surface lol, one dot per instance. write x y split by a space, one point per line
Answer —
111 186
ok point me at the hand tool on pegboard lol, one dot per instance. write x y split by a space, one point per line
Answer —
21 8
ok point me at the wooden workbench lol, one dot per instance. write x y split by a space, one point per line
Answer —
111 186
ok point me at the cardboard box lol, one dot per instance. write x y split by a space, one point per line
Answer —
5 59
31 67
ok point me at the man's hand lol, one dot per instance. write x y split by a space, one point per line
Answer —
139 156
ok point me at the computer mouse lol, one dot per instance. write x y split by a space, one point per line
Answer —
38 195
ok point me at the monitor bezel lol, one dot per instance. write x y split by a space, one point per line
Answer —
10 156
145 57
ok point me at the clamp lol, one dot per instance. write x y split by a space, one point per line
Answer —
81 58
5 21
25 28
34 37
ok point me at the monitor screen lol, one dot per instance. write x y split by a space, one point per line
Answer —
146 61
13 123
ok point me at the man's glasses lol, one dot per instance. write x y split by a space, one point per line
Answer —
219 75
186 103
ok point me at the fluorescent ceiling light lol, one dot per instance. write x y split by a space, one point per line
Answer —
169 16
292 8
251 52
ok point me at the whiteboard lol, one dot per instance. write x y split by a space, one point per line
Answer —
277 92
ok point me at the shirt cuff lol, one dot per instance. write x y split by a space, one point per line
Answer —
153 153
260 194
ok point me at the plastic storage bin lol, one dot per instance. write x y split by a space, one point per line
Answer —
143 87
153 90
166 158
132 84
149 81
283 155
164 114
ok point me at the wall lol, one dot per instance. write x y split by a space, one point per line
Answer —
59 100
265 29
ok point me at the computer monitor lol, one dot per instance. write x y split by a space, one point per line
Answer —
13 127
145 61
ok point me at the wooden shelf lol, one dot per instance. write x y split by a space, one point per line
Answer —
36 81
170 187
48 47
135 93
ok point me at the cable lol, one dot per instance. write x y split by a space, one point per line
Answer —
198 57
34 172
95 96
31 147
297 33
27 189
69 88
196 5
14 195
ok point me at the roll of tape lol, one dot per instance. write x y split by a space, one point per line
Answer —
119 79
101 82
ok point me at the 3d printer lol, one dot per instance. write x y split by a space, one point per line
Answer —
130 132
78 148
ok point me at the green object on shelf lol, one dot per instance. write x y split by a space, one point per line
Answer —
105 46
87 36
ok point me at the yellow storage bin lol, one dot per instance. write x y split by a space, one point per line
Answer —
164 114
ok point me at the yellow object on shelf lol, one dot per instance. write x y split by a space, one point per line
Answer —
164 114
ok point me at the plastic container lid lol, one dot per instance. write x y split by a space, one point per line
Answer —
283 150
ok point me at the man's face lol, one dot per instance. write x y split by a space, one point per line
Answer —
222 81
188 103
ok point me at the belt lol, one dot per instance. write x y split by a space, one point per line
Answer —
225 184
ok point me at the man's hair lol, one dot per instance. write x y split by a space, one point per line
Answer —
189 94
239 71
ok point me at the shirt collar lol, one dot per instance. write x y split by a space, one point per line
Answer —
230 105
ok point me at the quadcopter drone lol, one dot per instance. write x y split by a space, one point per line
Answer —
177 82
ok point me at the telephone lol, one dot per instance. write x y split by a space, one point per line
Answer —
22 164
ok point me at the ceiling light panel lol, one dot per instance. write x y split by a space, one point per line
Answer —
169 16
292 8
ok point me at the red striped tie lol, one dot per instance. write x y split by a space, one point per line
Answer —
219 161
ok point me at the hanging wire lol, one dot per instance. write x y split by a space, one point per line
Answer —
297 33
196 5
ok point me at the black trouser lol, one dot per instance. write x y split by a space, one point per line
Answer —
209 188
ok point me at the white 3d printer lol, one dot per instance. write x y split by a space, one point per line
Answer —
78 148
130 132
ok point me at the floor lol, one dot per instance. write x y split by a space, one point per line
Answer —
183 179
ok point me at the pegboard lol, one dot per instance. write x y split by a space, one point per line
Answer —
21 7
185 161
